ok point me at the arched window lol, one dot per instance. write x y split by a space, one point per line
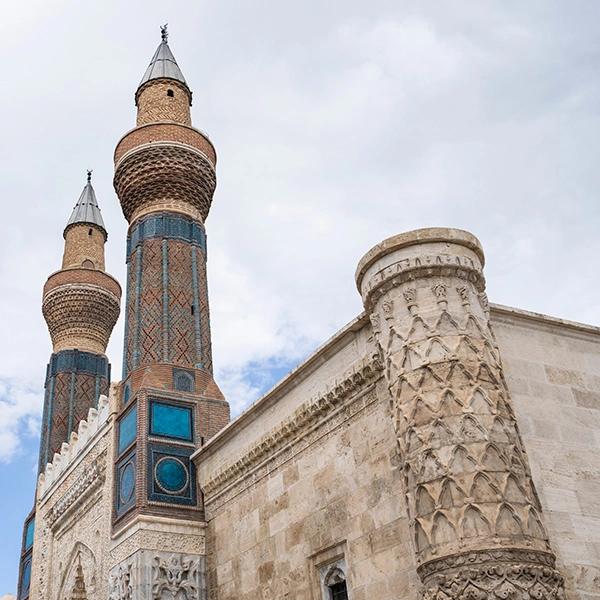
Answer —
335 582
170 93
88 264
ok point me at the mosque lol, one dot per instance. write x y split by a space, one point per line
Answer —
438 446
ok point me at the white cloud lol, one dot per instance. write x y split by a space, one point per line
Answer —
336 125
19 416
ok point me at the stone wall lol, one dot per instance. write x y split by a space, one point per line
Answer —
74 499
336 498
310 475
553 372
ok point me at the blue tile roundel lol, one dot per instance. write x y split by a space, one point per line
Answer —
127 484
171 475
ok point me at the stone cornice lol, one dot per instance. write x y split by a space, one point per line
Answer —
291 380
305 419
508 314
409 238
83 487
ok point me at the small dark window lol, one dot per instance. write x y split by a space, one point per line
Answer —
170 93
184 382
192 307
90 231
336 584
338 591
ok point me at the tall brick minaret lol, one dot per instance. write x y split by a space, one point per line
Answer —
165 179
81 306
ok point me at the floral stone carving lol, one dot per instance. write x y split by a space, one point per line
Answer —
151 575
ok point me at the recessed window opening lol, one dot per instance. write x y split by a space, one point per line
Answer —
90 231
170 93
192 307
336 585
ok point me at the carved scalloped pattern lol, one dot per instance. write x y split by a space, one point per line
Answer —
162 172
80 312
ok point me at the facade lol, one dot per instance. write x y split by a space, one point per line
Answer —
438 446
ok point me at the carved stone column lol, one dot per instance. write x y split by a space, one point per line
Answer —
474 512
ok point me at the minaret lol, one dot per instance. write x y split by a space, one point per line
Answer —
477 523
81 306
170 404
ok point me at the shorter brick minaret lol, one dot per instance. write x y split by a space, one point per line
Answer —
81 307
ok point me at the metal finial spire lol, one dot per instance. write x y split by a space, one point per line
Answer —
89 175
164 34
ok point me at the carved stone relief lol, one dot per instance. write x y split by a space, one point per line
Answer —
151 575
79 575
474 512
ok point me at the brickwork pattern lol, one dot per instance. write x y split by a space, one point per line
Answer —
182 348
69 396
84 242
151 309
164 172
204 316
80 316
83 276
167 318
165 132
156 104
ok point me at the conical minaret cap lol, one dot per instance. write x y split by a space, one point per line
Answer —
87 210
163 64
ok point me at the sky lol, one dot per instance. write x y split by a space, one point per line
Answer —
336 124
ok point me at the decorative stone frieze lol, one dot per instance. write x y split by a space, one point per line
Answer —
474 512
279 444
153 575
85 485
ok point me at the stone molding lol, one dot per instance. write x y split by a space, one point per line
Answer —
86 484
431 235
511 573
276 446
79 443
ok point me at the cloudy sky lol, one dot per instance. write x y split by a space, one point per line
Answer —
336 124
